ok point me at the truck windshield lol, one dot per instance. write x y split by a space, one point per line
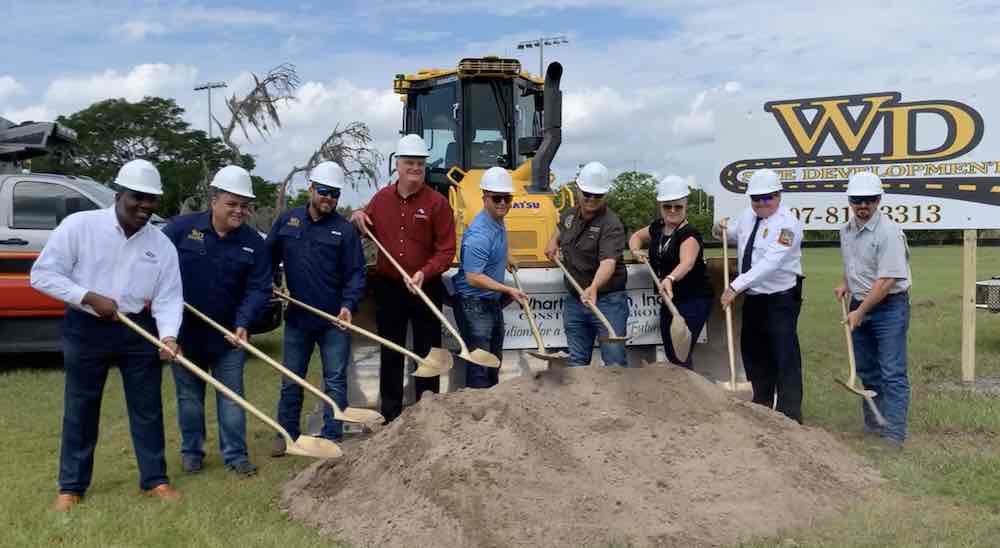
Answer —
436 112
487 123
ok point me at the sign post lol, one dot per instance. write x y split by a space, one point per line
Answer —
969 305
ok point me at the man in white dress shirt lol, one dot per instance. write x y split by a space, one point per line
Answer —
99 263
768 240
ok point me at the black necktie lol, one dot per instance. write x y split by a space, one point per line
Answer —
748 250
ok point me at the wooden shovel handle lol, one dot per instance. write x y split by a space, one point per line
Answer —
430 304
350 326
527 312
267 359
201 374
850 342
729 310
593 306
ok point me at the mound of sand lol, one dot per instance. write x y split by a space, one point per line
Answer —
656 456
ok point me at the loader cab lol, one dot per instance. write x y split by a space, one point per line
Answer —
475 117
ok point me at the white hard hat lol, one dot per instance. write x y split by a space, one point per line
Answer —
496 179
140 176
763 181
327 174
864 183
234 180
671 188
412 145
594 179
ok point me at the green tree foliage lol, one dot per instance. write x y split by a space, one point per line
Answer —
114 131
633 198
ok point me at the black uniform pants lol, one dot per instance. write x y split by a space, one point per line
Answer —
396 309
770 348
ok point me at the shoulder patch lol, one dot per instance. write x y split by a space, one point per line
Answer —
787 237
568 222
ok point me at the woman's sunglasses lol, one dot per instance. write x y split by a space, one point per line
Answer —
673 207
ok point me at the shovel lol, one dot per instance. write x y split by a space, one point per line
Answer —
729 313
868 395
350 414
304 446
610 337
541 353
680 335
438 360
477 356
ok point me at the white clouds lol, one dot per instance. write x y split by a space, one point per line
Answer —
36 113
134 31
9 87
695 126
147 79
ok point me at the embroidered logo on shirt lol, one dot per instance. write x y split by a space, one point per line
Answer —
419 216
786 238
150 254
196 235
595 229
248 249
335 233
294 221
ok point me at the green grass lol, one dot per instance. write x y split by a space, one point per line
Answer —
943 490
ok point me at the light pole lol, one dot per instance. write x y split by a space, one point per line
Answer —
540 43
210 86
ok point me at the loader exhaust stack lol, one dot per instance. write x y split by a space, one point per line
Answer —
551 132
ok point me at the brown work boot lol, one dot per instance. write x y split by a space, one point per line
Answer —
65 502
164 491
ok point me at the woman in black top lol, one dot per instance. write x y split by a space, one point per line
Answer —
676 254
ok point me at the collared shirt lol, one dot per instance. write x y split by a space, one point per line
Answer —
88 251
228 279
418 230
324 264
776 259
876 250
484 251
584 244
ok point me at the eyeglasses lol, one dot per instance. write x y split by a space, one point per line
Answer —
858 200
327 192
591 196
501 198
764 197
673 207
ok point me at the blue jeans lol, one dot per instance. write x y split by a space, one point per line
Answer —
880 355
90 347
227 369
480 321
582 327
695 312
334 352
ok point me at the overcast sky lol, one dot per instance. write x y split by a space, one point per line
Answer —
643 79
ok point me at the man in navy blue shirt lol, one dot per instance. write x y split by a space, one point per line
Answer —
226 275
324 267
479 282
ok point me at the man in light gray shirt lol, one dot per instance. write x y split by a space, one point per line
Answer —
877 280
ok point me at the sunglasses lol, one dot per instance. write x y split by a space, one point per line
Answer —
858 200
764 197
501 198
590 196
673 207
327 192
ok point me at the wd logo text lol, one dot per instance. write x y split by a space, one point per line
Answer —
527 205
833 137
899 121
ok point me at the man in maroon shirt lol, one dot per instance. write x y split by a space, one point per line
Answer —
416 225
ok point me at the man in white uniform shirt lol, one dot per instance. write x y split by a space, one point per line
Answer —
99 263
768 240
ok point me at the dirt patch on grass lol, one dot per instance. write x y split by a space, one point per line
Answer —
656 456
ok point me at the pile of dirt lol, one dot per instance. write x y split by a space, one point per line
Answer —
656 456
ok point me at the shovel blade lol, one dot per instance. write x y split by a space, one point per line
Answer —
611 338
482 357
558 356
311 446
360 415
438 361
680 337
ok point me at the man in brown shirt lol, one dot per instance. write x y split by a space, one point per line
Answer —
591 239
416 225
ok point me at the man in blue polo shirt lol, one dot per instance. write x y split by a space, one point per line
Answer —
226 275
479 283
324 267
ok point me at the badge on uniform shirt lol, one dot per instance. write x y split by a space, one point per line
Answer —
787 237
568 223
196 235
294 221
765 232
